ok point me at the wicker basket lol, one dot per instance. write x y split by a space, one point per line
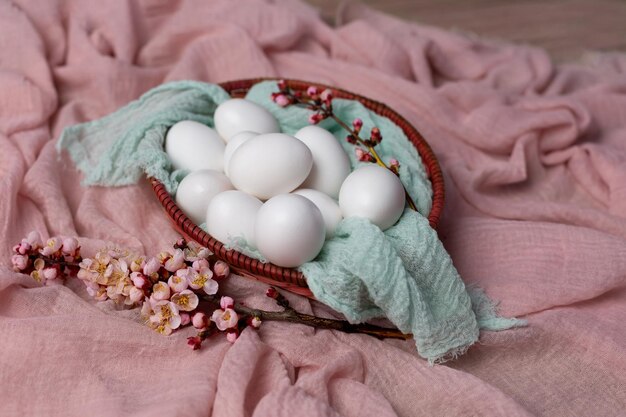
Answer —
287 278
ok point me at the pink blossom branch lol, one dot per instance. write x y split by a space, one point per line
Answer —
321 104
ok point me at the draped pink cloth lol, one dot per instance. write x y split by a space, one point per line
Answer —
535 164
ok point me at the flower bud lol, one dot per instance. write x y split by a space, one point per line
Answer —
231 336
70 246
50 273
312 92
327 96
20 262
255 322
351 139
375 135
357 124
221 270
282 85
194 342
200 321
226 302
315 118
282 100
34 239
271 293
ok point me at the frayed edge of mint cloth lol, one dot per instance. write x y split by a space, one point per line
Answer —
121 148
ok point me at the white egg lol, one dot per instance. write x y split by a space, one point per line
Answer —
328 207
237 114
197 189
375 193
331 164
289 230
191 145
231 214
234 143
270 164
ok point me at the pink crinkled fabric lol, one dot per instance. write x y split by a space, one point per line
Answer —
535 163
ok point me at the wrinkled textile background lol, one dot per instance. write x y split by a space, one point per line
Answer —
535 158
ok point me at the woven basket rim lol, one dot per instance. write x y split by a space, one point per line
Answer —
289 278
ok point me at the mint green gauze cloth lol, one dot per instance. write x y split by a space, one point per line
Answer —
403 273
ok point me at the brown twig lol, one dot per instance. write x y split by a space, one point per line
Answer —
289 314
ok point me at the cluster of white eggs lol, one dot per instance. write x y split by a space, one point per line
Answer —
285 195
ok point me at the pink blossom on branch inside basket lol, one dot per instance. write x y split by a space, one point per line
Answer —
321 105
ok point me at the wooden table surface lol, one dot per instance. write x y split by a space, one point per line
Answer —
565 28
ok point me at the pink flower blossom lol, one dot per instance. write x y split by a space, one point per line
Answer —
137 264
152 266
166 315
185 319
194 342
69 246
51 247
221 270
311 91
225 319
20 262
200 321
231 336
226 302
199 264
34 239
186 300
195 251
202 279
176 262
160 291
146 308
178 283
136 295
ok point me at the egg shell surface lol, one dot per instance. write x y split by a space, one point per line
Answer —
375 193
197 189
331 164
328 207
270 164
289 230
234 143
231 214
192 146
238 114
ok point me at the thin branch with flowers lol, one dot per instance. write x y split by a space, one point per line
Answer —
175 289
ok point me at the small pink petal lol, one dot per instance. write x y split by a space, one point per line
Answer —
226 302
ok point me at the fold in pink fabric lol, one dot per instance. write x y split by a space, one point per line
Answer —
535 163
